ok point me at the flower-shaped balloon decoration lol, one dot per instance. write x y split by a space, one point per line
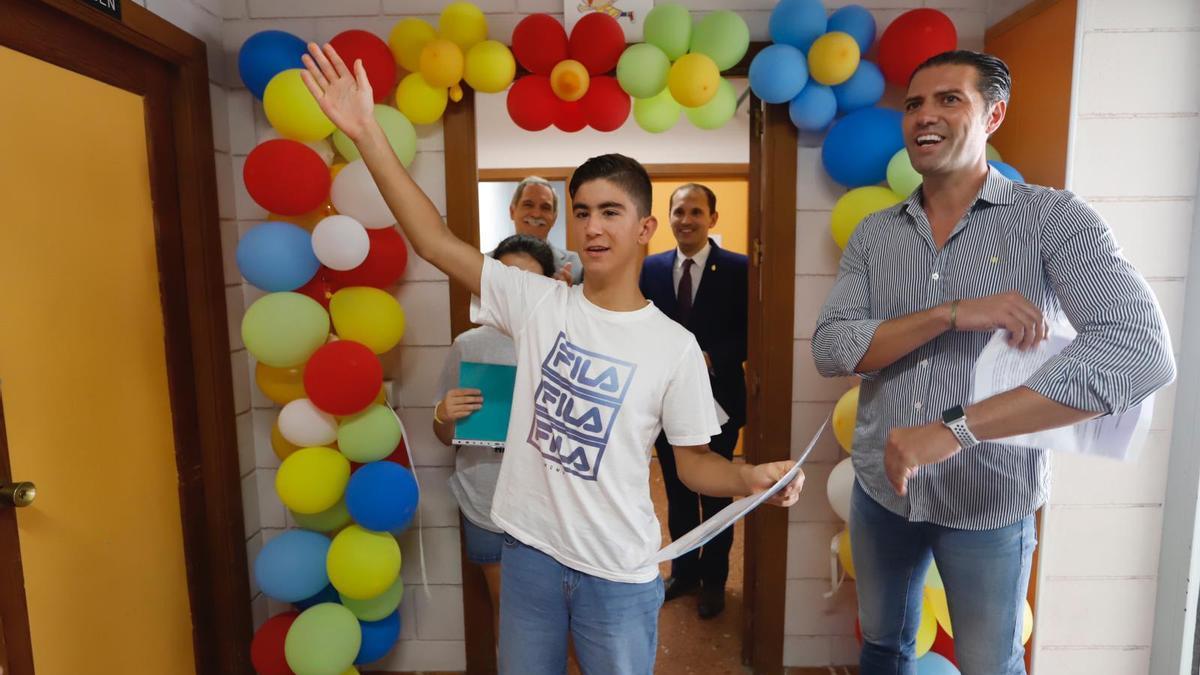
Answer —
567 85
438 61
679 67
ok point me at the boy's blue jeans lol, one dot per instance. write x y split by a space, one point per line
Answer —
986 574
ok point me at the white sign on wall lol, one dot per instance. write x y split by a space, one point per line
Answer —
629 13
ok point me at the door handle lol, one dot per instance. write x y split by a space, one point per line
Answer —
19 494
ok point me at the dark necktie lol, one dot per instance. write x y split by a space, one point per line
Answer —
684 294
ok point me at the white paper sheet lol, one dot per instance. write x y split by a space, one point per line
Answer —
729 515
1001 368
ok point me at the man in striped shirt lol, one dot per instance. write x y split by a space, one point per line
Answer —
921 288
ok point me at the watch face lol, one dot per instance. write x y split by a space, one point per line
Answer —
952 414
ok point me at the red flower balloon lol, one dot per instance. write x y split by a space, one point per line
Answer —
597 42
532 104
343 377
571 116
606 104
266 651
912 38
538 43
385 264
376 58
286 177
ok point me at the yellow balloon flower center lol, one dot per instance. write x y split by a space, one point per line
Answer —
569 80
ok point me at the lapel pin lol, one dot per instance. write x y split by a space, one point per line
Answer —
713 268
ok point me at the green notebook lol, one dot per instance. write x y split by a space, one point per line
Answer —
489 424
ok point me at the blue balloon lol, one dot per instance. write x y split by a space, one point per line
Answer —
858 22
291 567
935 664
862 90
382 496
266 54
797 23
327 594
813 108
277 256
778 73
859 146
1008 171
378 638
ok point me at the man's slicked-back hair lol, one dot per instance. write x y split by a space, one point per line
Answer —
994 81
625 172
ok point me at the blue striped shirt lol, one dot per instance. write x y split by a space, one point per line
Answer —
1060 255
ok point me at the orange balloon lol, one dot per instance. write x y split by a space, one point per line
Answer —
281 385
569 80
282 446
334 170
307 220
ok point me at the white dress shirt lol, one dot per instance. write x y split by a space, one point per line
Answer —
699 260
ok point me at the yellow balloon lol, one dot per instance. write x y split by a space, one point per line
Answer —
933 578
420 103
292 110
927 629
845 555
361 563
845 414
693 80
833 58
283 447
463 24
941 609
312 480
281 385
368 316
490 67
441 63
407 39
569 80
1026 623
855 205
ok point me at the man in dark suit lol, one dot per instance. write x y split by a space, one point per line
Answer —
703 287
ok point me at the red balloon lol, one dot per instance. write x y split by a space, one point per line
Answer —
266 651
539 42
532 104
320 288
944 644
400 455
343 377
376 58
286 177
385 264
912 38
597 42
571 116
606 104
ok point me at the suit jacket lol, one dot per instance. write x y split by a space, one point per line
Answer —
718 318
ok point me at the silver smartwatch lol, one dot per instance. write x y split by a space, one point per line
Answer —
955 419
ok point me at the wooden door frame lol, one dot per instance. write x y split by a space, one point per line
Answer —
772 235
72 35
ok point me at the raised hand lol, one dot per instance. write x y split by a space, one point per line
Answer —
564 274
345 99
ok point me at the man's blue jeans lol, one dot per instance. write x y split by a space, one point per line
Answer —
614 625
986 574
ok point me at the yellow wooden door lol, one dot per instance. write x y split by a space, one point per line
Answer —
83 378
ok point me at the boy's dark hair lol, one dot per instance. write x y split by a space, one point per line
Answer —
994 81
708 193
531 246
625 172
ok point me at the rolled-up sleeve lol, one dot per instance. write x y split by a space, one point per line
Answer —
1122 353
845 327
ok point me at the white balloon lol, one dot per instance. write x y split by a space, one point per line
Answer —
355 194
306 425
320 146
840 487
340 242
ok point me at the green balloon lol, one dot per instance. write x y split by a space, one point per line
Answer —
718 111
657 113
283 329
399 131
642 70
333 518
378 607
722 36
370 435
669 27
323 640
901 176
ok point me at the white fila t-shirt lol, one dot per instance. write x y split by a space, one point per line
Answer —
594 388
